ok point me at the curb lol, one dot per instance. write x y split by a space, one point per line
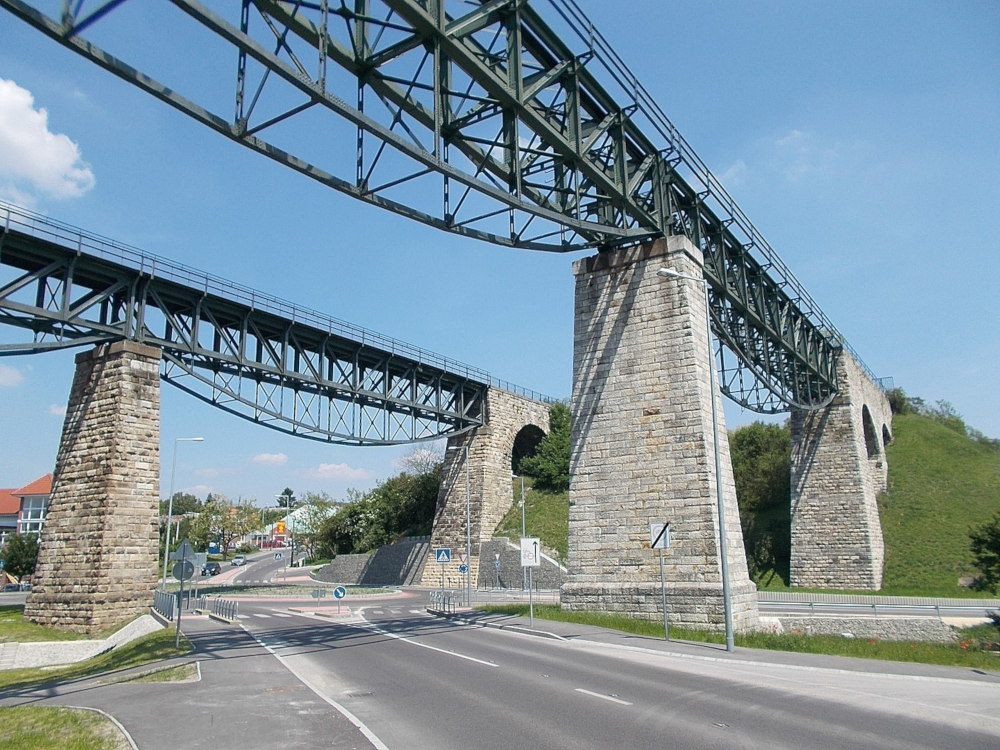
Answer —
461 618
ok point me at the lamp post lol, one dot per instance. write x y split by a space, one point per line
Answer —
727 602
170 504
468 527
524 533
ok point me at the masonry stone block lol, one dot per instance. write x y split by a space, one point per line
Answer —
105 496
838 470
643 448
477 473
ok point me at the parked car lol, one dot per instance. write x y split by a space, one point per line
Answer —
211 569
239 560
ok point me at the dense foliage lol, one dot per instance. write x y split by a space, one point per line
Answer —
19 553
221 521
761 457
549 466
400 506
985 545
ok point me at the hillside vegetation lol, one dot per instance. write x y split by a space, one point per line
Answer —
942 482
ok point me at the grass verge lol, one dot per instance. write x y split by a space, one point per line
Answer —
150 648
965 652
45 728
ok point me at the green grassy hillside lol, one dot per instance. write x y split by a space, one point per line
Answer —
941 483
546 516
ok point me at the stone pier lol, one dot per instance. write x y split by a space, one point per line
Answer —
838 470
97 564
512 421
643 445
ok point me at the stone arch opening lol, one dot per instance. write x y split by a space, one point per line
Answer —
525 444
886 435
871 436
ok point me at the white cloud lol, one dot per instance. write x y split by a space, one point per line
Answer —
57 410
32 158
734 174
341 472
10 376
270 459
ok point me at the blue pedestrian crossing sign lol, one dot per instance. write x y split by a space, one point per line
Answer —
442 554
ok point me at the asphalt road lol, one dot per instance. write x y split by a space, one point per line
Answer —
421 682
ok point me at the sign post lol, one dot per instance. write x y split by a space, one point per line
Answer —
659 538
531 557
182 571
442 556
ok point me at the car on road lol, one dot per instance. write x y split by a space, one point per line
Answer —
239 560
211 569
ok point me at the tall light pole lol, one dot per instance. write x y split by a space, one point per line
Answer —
290 520
727 602
170 504
468 527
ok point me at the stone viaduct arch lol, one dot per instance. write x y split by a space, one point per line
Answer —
481 460
838 469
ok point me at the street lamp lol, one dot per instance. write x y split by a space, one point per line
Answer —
468 528
727 602
524 533
170 503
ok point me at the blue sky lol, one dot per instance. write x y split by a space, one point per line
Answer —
861 138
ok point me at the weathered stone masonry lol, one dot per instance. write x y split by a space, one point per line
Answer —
98 559
838 469
642 444
489 478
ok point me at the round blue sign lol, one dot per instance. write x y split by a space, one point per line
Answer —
340 592
463 568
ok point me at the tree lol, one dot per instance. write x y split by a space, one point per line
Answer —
761 456
550 463
309 518
183 503
985 545
221 521
19 553
287 498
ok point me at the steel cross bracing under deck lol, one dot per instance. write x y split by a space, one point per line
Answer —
253 355
480 118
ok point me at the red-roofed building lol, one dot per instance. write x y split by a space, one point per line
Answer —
34 504
10 507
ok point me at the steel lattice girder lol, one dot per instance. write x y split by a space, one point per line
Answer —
485 122
290 375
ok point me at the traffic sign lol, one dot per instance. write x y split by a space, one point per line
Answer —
531 554
659 535
277 555
183 570
442 554
339 593
463 568
318 593
496 564
463 557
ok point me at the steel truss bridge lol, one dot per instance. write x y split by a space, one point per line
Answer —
253 355
510 121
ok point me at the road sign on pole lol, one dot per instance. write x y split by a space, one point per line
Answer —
659 535
442 555
531 554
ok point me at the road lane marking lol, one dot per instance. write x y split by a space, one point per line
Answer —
603 697
375 629
362 727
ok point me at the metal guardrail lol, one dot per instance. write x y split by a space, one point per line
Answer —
165 603
775 597
876 606
227 609
444 601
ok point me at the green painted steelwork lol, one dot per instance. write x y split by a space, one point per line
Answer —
486 120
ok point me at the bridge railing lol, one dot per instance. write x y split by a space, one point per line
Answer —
627 88
37 225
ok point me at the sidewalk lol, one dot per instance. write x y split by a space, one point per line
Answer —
243 698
